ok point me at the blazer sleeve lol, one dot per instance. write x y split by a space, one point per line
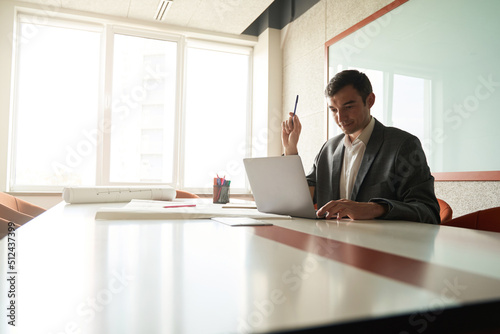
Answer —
311 177
413 186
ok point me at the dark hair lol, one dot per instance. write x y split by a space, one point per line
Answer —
357 79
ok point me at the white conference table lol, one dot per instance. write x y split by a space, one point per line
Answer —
78 275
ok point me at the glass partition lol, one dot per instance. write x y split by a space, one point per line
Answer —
435 70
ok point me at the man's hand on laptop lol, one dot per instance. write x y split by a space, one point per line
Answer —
355 210
290 133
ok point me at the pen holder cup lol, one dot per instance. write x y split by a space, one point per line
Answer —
221 194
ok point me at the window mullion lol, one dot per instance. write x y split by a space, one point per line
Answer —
178 177
105 105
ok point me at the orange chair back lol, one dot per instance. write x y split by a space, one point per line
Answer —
484 220
16 210
445 211
185 194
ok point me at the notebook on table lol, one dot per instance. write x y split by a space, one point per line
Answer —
279 186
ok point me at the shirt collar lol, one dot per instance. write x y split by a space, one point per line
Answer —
364 136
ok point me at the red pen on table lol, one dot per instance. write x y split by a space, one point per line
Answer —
180 206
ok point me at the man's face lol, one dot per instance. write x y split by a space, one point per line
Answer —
349 111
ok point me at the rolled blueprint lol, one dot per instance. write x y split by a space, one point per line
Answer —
103 194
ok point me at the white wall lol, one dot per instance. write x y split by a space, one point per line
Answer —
267 92
6 35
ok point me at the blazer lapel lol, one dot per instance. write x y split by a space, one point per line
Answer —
337 160
371 152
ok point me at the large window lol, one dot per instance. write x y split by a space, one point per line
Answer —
216 112
143 110
55 105
96 104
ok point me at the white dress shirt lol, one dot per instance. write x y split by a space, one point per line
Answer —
353 155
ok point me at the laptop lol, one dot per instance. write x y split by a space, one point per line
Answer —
279 186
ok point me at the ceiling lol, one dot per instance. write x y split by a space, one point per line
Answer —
224 16
236 17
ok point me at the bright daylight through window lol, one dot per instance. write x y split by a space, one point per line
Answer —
139 108
55 107
216 114
143 110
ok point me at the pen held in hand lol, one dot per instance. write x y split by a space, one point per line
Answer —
295 108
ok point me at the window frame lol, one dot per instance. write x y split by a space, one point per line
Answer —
52 21
108 28
104 177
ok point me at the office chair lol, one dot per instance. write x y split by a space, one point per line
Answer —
445 211
484 220
13 209
185 194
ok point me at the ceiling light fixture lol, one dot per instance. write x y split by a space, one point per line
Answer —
163 7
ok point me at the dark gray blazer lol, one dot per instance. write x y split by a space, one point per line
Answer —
394 170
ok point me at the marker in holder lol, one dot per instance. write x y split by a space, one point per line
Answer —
221 190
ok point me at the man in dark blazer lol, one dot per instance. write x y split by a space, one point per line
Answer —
370 171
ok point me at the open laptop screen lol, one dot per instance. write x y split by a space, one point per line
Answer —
279 186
